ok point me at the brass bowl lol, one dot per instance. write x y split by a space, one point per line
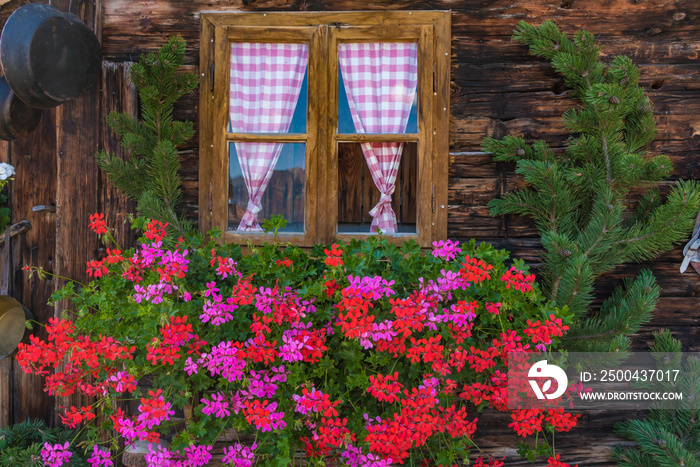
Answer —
12 325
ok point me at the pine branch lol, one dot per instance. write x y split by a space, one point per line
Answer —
151 175
580 199
620 315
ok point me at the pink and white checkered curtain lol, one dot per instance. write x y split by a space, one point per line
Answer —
380 82
266 79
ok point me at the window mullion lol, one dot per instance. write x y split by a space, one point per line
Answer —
330 119
315 145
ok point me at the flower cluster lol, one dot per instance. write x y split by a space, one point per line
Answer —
290 345
6 171
55 455
83 359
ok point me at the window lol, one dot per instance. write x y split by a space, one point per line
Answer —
337 121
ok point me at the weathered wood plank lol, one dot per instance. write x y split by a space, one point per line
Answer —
78 135
34 159
7 392
472 47
118 94
537 75
508 105
467 132
477 164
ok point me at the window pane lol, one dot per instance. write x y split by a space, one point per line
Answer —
279 187
268 88
377 87
358 193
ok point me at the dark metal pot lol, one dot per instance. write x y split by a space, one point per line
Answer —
48 57
16 118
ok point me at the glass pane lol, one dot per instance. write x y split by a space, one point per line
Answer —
280 188
358 193
268 88
377 88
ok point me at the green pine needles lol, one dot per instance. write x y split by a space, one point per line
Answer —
582 198
21 444
151 175
666 437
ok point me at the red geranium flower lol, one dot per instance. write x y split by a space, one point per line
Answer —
98 224
333 255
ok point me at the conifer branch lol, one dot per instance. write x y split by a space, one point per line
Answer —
151 175
580 199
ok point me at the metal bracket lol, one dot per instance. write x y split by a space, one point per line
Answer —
44 208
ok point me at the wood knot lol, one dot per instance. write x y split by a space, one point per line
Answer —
679 15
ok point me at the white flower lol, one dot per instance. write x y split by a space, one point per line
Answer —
6 171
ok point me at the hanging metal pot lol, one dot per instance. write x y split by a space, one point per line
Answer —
16 118
48 57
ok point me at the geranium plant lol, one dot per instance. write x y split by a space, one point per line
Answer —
368 353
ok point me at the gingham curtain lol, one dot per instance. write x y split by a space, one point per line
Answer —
265 82
380 82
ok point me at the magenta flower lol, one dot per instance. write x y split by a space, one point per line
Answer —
223 361
264 299
372 460
217 406
239 456
290 351
211 290
56 455
262 389
100 458
352 454
160 458
446 249
129 430
191 366
198 456
383 331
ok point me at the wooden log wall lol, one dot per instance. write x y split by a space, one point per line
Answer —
497 89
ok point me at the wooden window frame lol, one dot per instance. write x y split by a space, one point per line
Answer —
323 31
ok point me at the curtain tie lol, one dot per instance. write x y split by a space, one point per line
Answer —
383 204
253 207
